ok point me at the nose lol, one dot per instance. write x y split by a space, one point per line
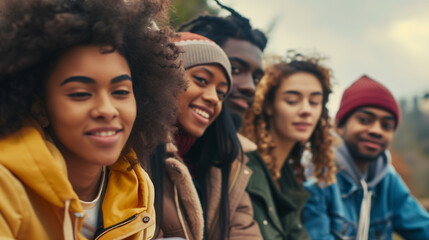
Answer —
305 109
210 95
376 129
104 108
247 86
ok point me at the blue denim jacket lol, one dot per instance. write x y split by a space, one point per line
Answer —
333 212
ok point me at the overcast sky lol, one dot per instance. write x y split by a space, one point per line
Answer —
386 39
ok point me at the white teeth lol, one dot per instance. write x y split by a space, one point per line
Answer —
202 113
105 133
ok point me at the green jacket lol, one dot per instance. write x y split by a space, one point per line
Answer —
278 213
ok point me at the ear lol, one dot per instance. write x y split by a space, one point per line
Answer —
38 111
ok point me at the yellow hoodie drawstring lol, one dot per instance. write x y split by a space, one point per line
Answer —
67 223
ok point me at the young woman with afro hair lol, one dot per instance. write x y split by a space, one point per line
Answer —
87 90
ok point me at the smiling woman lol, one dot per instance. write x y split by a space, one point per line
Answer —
202 102
200 200
91 109
81 106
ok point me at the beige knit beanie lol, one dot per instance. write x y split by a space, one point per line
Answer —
199 50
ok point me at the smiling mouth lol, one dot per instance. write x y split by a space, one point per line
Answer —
103 133
201 112
104 138
372 145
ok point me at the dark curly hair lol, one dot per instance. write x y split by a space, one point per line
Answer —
219 29
34 34
256 121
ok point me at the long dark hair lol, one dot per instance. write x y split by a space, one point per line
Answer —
157 173
218 147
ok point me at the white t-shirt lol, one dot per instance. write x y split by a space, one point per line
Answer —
91 211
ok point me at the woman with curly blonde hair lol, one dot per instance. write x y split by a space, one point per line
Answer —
288 115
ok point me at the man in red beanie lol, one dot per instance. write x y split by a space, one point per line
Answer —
369 200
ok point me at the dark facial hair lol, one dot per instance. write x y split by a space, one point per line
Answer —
357 156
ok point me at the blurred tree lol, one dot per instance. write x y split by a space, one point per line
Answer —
416 109
403 104
184 10
412 145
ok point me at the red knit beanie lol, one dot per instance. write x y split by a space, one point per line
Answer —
366 92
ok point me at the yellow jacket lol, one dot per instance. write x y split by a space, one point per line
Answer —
37 200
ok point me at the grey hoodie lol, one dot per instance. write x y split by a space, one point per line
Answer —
374 174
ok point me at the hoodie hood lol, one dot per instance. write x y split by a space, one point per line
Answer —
376 169
39 165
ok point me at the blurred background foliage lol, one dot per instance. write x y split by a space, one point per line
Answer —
410 147
182 11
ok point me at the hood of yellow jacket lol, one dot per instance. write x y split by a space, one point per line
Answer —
39 165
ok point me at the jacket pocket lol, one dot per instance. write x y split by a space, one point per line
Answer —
343 228
381 229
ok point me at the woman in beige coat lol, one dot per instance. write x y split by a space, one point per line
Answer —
205 176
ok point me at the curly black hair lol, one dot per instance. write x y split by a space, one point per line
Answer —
34 34
219 29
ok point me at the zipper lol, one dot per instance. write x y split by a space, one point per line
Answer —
116 226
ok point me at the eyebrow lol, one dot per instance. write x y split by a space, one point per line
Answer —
373 115
207 71
120 78
298 93
241 61
83 79
212 75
